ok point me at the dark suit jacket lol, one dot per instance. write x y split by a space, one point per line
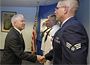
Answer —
14 49
70 44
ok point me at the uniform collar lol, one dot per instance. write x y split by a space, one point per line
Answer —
54 26
66 20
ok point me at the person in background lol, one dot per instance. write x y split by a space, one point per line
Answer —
13 53
52 26
70 43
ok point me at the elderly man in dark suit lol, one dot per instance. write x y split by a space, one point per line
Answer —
70 43
14 44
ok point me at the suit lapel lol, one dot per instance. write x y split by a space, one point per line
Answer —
21 39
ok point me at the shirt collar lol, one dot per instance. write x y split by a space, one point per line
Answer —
54 26
18 30
66 20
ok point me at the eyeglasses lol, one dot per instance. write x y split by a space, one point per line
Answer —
59 7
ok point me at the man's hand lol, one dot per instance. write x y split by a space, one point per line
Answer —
41 59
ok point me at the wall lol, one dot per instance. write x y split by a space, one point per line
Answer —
29 14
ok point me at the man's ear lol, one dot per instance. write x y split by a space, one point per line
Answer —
65 10
14 23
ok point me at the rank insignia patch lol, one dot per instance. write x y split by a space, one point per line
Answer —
73 47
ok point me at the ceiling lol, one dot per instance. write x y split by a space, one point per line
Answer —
27 3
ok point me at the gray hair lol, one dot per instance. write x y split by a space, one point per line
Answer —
73 5
15 18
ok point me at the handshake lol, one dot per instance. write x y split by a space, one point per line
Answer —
41 59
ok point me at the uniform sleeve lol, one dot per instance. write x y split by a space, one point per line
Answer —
49 55
75 45
17 49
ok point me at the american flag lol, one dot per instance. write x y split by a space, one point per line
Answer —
33 42
34 35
